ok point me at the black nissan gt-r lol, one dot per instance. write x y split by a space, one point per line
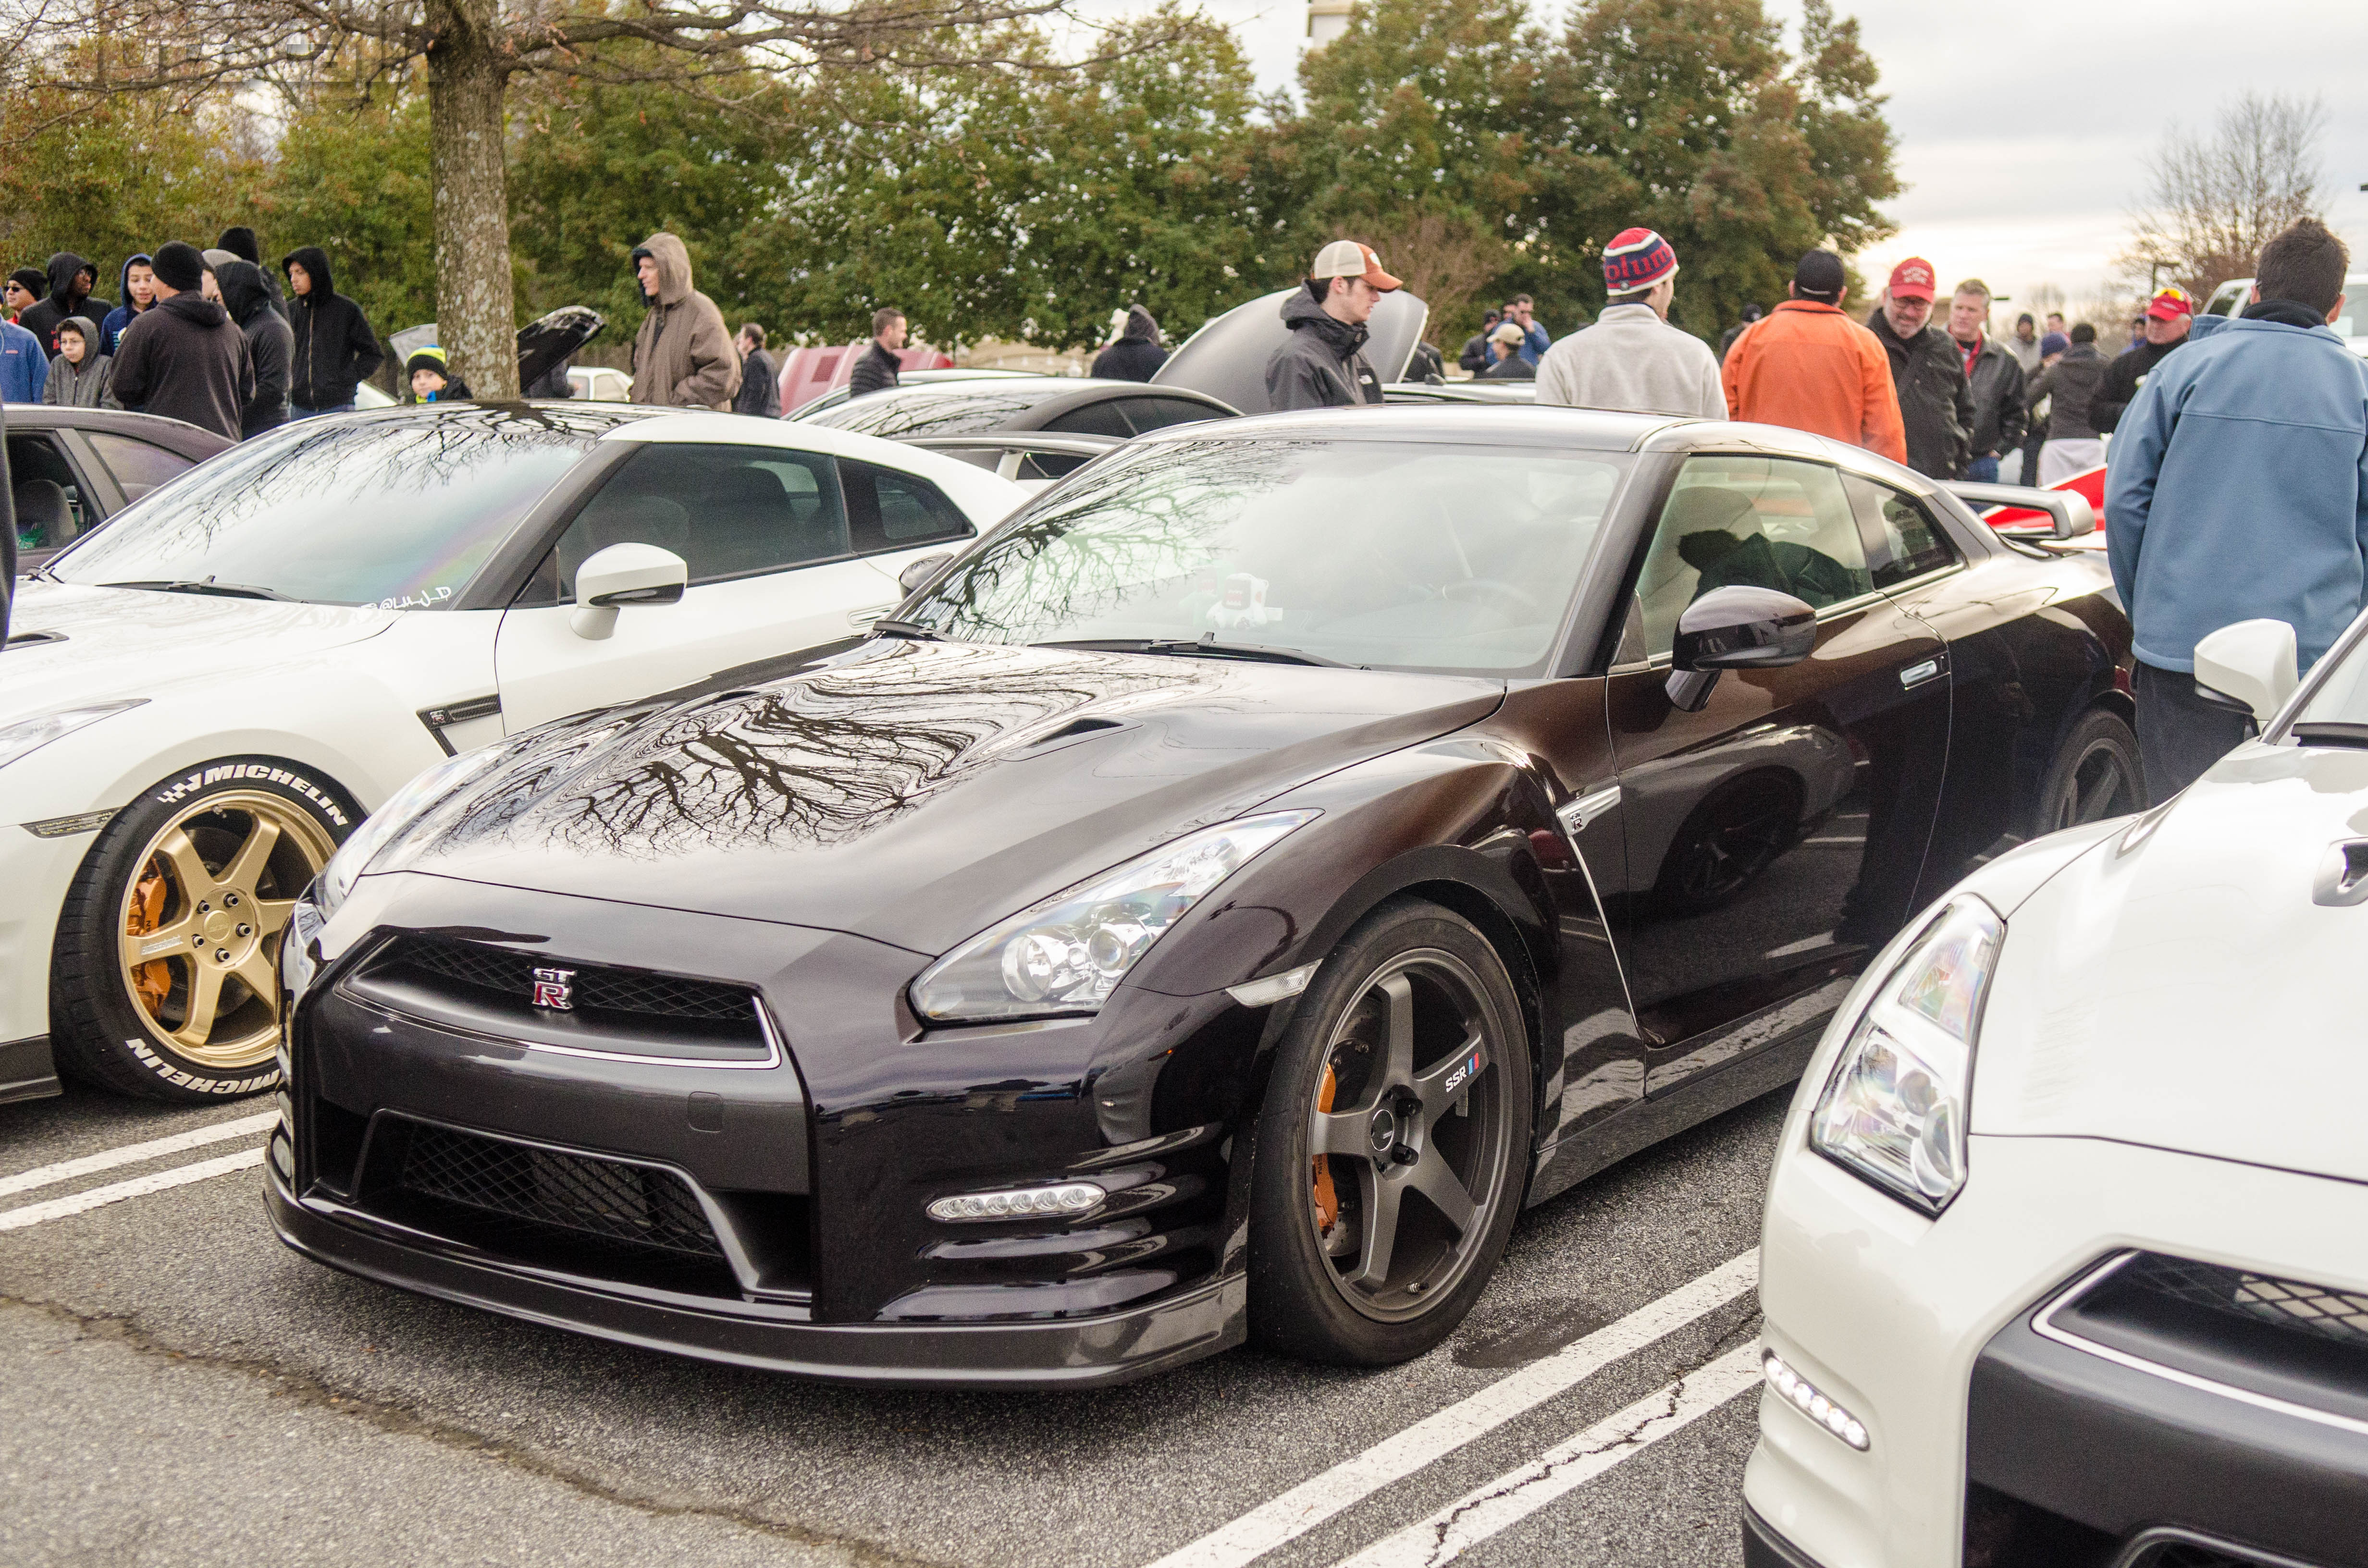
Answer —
1227 894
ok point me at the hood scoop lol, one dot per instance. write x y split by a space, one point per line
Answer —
2342 878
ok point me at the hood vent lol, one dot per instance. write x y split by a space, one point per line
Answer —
2342 874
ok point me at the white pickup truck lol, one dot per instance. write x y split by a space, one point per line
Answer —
2231 298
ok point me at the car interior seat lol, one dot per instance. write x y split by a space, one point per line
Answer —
44 518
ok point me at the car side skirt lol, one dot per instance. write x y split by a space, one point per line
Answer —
28 1070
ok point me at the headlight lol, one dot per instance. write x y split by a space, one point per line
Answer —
1068 954
1894 1109
31 734
386 824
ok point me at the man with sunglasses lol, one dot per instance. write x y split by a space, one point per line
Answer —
2167 316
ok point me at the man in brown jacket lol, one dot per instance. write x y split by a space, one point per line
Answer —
682 356
1808 366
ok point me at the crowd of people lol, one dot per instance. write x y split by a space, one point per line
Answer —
2238 483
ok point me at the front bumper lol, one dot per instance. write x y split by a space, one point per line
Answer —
35 871
1091 1352
1889 1313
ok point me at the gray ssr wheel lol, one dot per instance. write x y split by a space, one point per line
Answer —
2096 775
1393 1145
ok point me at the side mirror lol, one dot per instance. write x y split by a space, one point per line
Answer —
2249 666
1737 629
623 575
916 572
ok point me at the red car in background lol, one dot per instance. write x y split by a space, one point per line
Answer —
807 373
2089 482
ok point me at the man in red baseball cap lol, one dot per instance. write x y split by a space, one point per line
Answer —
1928 373
1322 363
2167 316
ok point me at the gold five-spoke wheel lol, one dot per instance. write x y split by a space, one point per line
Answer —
201 922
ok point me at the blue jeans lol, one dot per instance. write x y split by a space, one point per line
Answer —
1983 470
296 413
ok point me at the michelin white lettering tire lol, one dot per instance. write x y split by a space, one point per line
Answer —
164 980
1400 1106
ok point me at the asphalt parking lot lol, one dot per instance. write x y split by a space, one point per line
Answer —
177 1387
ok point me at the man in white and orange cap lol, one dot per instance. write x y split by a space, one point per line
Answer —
1632 357
1928 373
1322 363
2168 317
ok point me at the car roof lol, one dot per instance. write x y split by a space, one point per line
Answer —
1513 425
709 428
189 441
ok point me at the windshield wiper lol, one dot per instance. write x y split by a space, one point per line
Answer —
225 590
1205 646
889 626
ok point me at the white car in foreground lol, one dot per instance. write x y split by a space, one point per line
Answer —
2066 1259
200 700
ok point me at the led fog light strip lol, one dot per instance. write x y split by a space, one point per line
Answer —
1811 1403
1068 1198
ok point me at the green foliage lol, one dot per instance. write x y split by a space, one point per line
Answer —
352 177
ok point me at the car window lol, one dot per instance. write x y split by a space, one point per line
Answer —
34 464
896 511
1763 522
1159 413
1903 541
138 466
728 511
1101 418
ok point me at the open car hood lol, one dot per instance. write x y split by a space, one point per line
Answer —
1226 358
916 792
2188 992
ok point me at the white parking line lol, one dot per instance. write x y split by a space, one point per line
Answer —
133 1153
1351 1481
137 1186
1500 1505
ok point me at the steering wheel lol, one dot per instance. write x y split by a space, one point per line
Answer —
1486 586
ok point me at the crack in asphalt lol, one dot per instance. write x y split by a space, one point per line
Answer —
1632 1436
401 1421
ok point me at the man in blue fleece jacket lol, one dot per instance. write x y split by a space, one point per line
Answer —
2237 489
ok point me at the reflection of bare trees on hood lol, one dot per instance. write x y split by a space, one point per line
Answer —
932 414
1152 513
819 759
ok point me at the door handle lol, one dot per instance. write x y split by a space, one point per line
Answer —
1921 671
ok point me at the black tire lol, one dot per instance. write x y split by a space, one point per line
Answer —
1311 1290
1735 833
2096 774
163 983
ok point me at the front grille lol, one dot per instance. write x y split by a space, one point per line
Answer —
598 988
633 1205
2341 1316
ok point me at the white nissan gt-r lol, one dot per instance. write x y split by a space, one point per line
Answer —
2065 1260
198 701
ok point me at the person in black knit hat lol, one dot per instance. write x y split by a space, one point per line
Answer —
186 358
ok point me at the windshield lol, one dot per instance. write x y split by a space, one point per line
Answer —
396 512
937 409
1400 555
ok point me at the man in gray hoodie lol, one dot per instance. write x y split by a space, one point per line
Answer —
1632 357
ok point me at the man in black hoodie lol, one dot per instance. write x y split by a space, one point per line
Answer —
336 350
71 281
1136 354
1322 363
245 295
240 241
186 358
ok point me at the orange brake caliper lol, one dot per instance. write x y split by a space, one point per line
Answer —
152 980
1327 1199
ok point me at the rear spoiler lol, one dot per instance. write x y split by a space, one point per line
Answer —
2070 511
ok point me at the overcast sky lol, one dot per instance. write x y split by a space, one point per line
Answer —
2022 124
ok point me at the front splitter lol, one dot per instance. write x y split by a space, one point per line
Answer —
1097 1352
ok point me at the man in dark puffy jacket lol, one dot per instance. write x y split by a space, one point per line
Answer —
2164 326
1322 363
247 295
70 281
186 360
1136 354
334 350
876 368
761 389
1995 377
1927 372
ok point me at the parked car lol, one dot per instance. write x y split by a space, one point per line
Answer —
1212 907
600 383
1052 405
210 693
806 374
839 394
2231 298
72 469
2065 1257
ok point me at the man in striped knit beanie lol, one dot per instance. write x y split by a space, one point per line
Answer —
1632 357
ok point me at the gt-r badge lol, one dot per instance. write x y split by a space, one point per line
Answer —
555 988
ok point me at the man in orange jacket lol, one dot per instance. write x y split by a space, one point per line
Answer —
1807 365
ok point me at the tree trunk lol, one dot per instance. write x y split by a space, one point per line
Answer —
476 314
